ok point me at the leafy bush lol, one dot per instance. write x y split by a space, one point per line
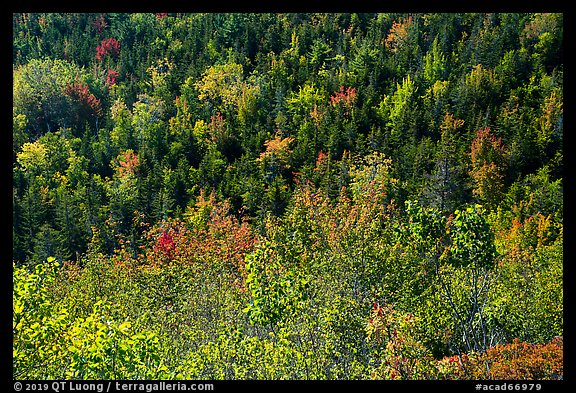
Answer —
49 344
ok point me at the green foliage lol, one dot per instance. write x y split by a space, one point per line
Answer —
398 351
40 93
35 326
530 271
19 123
228 195
50 344
398 112
276 290
472 238
435 66
98 350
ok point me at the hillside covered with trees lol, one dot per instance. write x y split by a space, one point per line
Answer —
288 196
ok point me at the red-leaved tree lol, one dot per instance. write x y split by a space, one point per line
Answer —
111 77
108 47
165 245
85 104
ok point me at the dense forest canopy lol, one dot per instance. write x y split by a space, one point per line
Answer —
289 195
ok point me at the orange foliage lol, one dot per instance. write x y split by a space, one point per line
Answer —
317 115
321 162
518 360
488 155
217 128
405 357
514 361
333 224
451 123
486 147
398 34
277 148
527 235
346 97
127 163
224 242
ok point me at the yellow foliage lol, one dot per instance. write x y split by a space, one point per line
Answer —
32 155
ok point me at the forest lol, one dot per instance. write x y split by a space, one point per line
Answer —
287 196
